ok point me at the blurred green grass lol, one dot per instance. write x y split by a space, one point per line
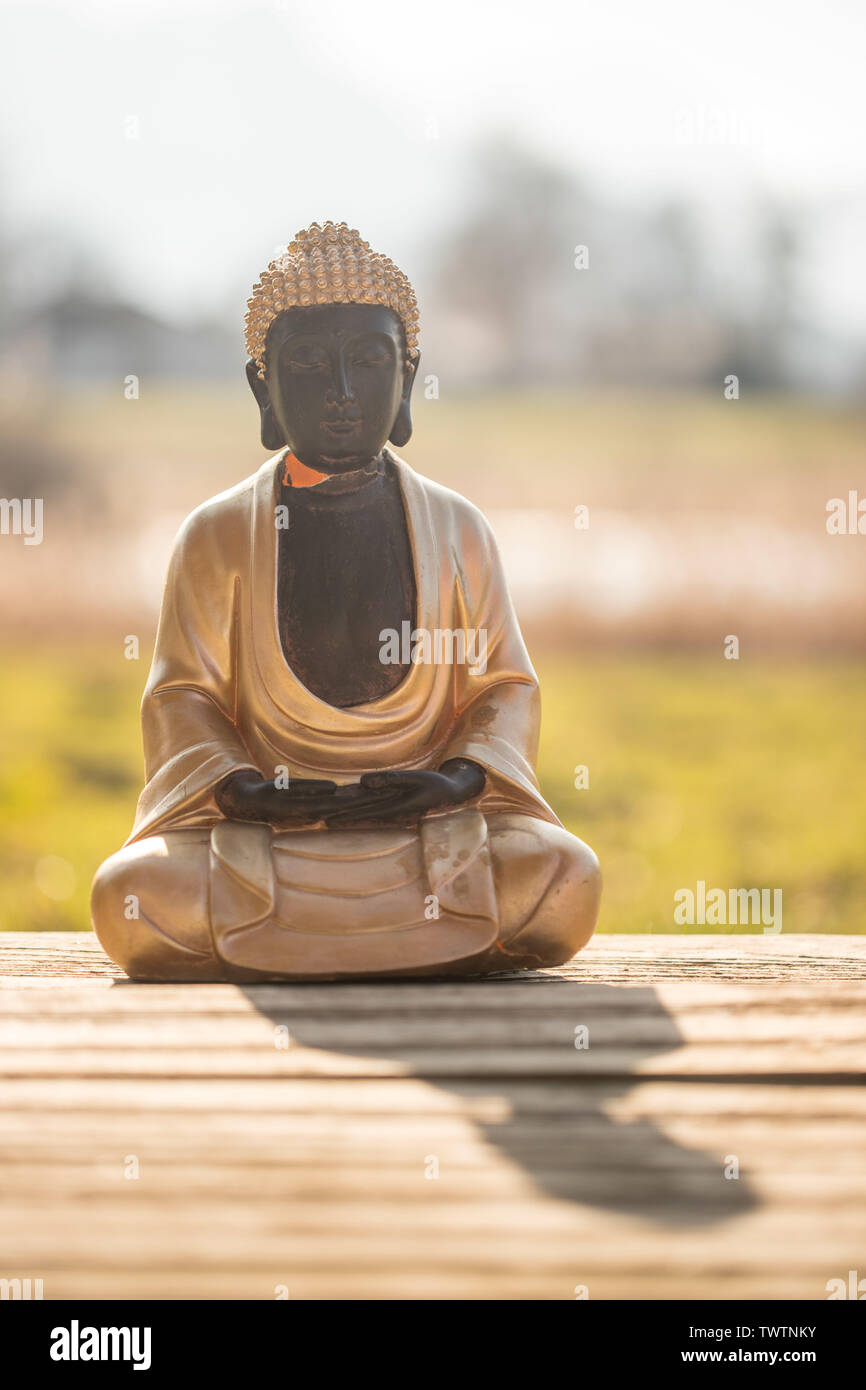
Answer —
743 774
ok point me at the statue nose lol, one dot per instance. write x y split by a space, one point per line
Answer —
341 389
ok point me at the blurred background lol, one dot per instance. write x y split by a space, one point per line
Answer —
636 236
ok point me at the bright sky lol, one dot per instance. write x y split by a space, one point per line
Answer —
257 116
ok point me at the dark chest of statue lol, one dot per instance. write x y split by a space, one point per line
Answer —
344 575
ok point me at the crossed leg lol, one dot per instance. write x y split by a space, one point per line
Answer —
150 903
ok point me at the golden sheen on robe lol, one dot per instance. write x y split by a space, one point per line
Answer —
492 885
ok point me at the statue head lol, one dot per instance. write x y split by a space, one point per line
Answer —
332 333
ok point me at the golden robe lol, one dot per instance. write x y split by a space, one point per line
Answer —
489 885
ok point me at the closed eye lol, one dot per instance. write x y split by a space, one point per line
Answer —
297 365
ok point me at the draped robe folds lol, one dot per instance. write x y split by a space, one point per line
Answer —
221 697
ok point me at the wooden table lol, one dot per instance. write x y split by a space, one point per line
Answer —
440 1140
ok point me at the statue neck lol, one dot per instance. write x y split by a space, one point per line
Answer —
299 475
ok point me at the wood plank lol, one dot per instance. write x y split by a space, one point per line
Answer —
178 1283
649 1026
391 1140
810 1061
411 998
484 1101
651 957
465 1171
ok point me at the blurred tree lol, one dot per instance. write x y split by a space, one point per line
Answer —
653 307
760 323
509 269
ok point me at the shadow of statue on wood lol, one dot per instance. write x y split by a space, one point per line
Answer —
557 1097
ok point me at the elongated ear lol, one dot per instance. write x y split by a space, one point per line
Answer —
272 435
401 430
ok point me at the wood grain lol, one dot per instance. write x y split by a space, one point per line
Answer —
213 1141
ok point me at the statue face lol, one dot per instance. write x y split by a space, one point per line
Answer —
336 382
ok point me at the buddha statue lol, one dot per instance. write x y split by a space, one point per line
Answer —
341 719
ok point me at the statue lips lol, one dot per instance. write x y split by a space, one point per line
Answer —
342 429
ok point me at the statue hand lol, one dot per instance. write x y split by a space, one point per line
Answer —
402 797
246 795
